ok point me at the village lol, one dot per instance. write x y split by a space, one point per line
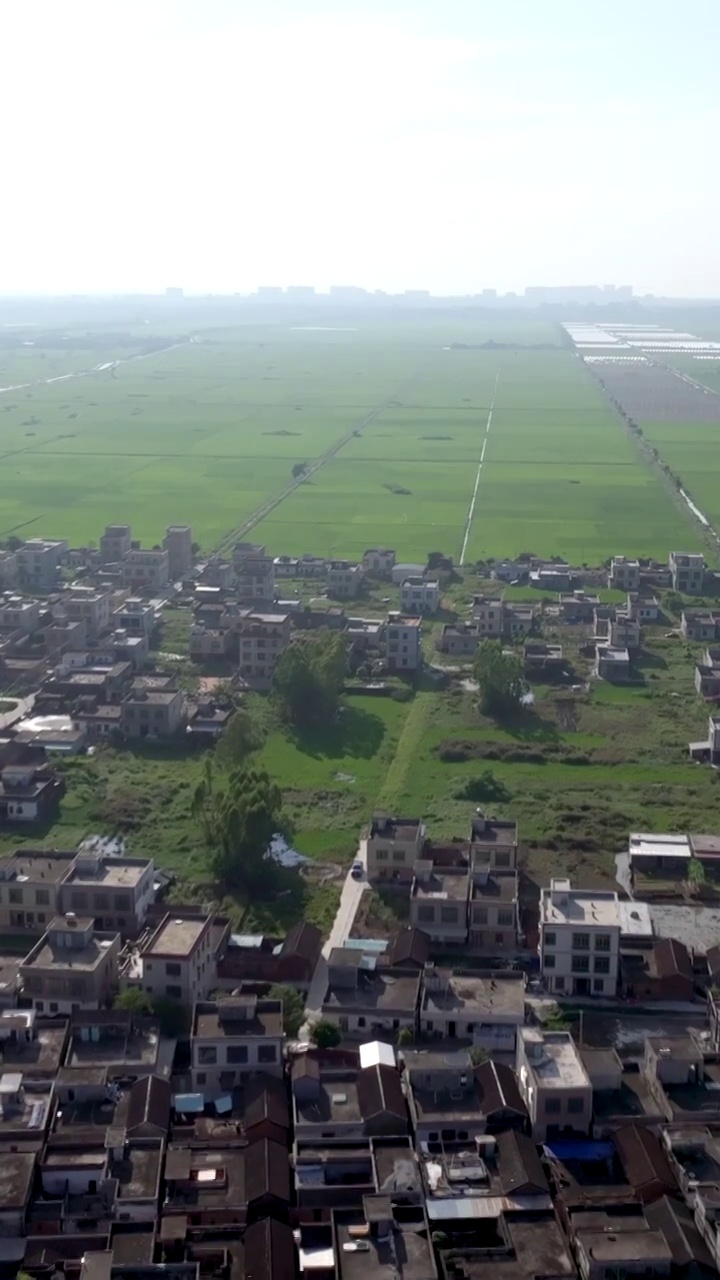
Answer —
491 1084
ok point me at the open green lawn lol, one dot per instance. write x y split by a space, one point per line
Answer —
208 431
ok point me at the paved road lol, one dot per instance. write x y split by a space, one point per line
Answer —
22 708
352 892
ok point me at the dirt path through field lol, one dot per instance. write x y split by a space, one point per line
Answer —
471 511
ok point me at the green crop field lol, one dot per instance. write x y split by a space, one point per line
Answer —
209 430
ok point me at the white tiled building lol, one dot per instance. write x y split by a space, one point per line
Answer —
579 939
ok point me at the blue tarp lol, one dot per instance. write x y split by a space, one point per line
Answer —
568 1149
189 1102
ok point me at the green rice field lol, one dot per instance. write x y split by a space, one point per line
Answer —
208 432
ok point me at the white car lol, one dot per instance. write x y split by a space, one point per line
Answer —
357 869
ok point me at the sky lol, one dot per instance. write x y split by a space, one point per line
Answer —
452 145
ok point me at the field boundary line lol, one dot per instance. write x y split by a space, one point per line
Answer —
471 511
270 504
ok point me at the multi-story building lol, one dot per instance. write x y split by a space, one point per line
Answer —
8 570
30 788
439 903
624 574
624 631
92 607
147 570
458 639
393 847
262 638
115 891
378 560
420 595
234 1037
579 939
643 607
178 960
343 579
135 617
178 544
30 888
72 967
553 1083
700 624
39 561
115 543
493 842
402 643
254 573
687 572
367 1003
488 616
18 612
153 713
493 913
208 643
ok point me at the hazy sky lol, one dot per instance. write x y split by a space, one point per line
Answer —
445 144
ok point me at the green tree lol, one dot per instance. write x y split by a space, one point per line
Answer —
174 1017
325 1034
245 816
500 678
697 876
309 678
478 1055
293 1007
134 999
404 1037
241 738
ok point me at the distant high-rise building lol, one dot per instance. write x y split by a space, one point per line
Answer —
489 294
173 291
178 544
300 292
576 293
347 292
269 292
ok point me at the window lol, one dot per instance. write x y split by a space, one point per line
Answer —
581 964
102 902
172 970
502 859
560 983
361 1022
499 939
42 897
427 914
581 942
236 1053
552 1106
267 1053
602 941
549 962
449 915
16 896
575 1106
207 1055
53 1006
122 902
174 992
602 964
41 917
480 915
550 938
381 855
201 1077
79 901
598 984
505 917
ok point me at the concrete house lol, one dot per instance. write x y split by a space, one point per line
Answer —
458 639
234 1037
393 847
687 572
707 673
486 1009
379 561
493 913
343 579
708 751
254 573
30 788
19 613
451 1101
439 903
612 664
624 632
73 967
146 570
553 1083
115 543
643 607
697 624
91 606
286 566
178 544
579 939
30 888
153 713
624 574
262 638
488 616
402 643
116 891
177 960
366 1002
578 606
39 560
420 595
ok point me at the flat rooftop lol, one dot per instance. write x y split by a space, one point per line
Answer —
265 1020
138 1173
38 867
559 1065
409 1242
502 997
390 991
40 1056
176 937
442 885
47 955
337 1102
497 888
30 1114
561 904
16 1176
112 873
614 1248
386 828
